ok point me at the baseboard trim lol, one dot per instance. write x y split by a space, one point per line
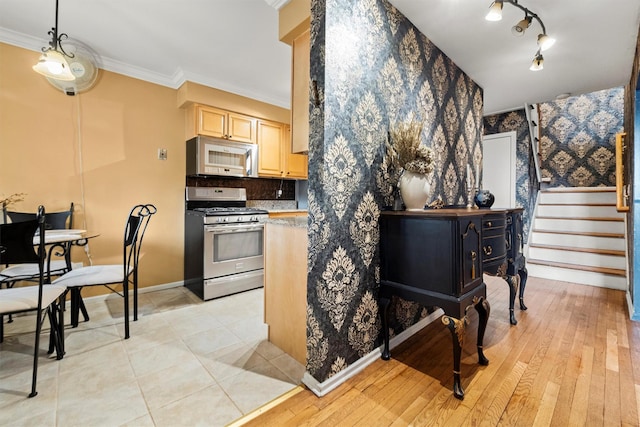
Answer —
144 290
322 388
633 315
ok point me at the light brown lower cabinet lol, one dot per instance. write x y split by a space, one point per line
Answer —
285 288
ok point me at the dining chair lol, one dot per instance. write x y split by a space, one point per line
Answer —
53 221
107 275
16 247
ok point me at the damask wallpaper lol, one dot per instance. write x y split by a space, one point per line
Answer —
370 68
577 138
526 178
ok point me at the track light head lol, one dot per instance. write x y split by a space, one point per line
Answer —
538 62
495 11
545 42
519 29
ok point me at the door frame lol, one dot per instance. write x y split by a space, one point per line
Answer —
512 162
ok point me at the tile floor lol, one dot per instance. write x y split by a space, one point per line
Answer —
187 363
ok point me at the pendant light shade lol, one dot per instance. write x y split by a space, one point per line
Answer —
53 64
53 61
545 42
521 27
495 11
538 63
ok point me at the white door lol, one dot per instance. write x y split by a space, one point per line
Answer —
499 168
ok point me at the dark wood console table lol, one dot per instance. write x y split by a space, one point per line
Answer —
434 257
437 258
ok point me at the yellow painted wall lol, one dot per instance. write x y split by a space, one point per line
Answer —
105 141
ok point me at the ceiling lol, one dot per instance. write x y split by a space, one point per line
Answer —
233 44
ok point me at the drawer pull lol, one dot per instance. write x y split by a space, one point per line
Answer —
489 224
488 250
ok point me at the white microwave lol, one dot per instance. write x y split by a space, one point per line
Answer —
212 156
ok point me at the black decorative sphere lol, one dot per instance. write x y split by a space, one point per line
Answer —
484 199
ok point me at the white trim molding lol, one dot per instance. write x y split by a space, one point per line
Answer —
322 388
277 4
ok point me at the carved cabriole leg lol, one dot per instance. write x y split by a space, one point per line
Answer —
457 328
512 281
484 309
522 274
384 312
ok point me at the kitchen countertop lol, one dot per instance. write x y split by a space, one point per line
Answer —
287 210
291 221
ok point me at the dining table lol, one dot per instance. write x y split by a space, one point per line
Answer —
58 243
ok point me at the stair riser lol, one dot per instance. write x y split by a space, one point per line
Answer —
579 225
579 258
577 276
577 198
578 241
579 211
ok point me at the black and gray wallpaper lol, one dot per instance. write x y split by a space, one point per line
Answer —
577 138
526 178
370 68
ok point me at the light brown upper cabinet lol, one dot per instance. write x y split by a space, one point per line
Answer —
300 72
296 165
274 153
225 124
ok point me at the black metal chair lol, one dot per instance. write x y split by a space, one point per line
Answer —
16 247
106 275
54 221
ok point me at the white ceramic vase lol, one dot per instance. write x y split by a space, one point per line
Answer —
415 190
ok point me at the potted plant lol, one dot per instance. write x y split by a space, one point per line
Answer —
411 163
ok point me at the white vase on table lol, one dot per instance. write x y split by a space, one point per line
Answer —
415 190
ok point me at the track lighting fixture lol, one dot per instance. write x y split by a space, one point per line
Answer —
544 41
53 61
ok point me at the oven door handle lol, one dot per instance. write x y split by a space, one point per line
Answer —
224 229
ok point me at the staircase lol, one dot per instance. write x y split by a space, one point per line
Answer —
578 236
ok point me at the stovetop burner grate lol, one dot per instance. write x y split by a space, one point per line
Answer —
231 211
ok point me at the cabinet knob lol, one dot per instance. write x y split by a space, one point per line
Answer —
230 136
488 250
489 224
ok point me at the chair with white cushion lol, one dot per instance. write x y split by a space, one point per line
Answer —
106 275
16 247
54 221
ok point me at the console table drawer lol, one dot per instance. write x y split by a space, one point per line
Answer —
493 248
493 222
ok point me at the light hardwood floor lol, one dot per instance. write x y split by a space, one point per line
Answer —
572 360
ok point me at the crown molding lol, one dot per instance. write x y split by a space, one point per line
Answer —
173 81
277 4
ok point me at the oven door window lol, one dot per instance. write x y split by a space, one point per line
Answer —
237 245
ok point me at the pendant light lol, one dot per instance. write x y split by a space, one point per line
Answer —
53 61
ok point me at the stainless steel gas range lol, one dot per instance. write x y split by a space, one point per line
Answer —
223 243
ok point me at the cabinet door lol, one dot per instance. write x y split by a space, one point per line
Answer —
295 164
270 149
471 261
241 128
300 76
211 122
